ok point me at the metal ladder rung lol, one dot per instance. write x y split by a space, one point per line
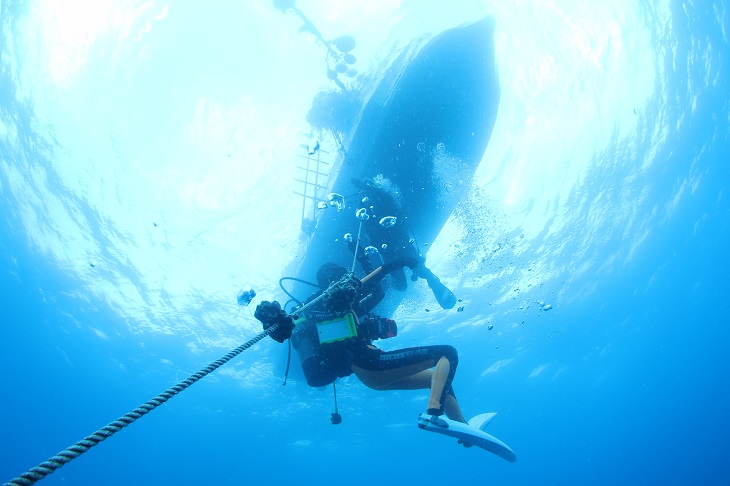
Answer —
321 162
312 171
307 183
313 198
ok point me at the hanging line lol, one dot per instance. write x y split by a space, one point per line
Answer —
334 389
45 468
335 418
357 246
288 362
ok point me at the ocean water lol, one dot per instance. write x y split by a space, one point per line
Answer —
149 155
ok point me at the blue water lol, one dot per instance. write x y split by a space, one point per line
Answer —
143 183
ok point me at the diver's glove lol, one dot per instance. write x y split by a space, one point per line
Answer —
270 313
340 296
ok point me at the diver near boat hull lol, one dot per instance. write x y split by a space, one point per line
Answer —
420 135
395 240
333 334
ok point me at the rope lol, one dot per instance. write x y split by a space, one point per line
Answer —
312 303
45 468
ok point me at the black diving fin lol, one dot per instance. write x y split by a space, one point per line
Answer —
444 296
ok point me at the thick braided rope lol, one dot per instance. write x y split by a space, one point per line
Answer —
45 468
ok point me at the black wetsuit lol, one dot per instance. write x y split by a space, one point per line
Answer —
378 360
324 363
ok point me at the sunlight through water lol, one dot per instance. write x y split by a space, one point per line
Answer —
150 170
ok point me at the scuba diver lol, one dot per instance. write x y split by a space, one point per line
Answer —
333 333
396 240
334 329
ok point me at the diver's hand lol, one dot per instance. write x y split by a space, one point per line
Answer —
271 313
340 296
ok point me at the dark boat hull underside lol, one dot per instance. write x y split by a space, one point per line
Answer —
419 139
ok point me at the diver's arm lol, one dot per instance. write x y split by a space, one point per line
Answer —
371 282
379 273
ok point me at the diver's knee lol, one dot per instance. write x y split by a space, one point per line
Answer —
450 353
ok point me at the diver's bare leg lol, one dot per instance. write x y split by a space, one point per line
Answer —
452 409
438 382
415 377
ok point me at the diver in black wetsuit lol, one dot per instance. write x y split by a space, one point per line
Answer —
334 338
396 240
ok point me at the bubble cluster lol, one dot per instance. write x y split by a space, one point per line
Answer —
362 214
388 221
337 200
245 296
543 305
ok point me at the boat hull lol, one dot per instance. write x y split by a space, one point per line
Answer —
419 138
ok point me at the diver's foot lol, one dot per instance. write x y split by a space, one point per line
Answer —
432 419
465 444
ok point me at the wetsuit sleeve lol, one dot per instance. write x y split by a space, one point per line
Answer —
398 263
374 289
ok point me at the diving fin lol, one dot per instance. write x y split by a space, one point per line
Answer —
482 420
444 296
468 433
